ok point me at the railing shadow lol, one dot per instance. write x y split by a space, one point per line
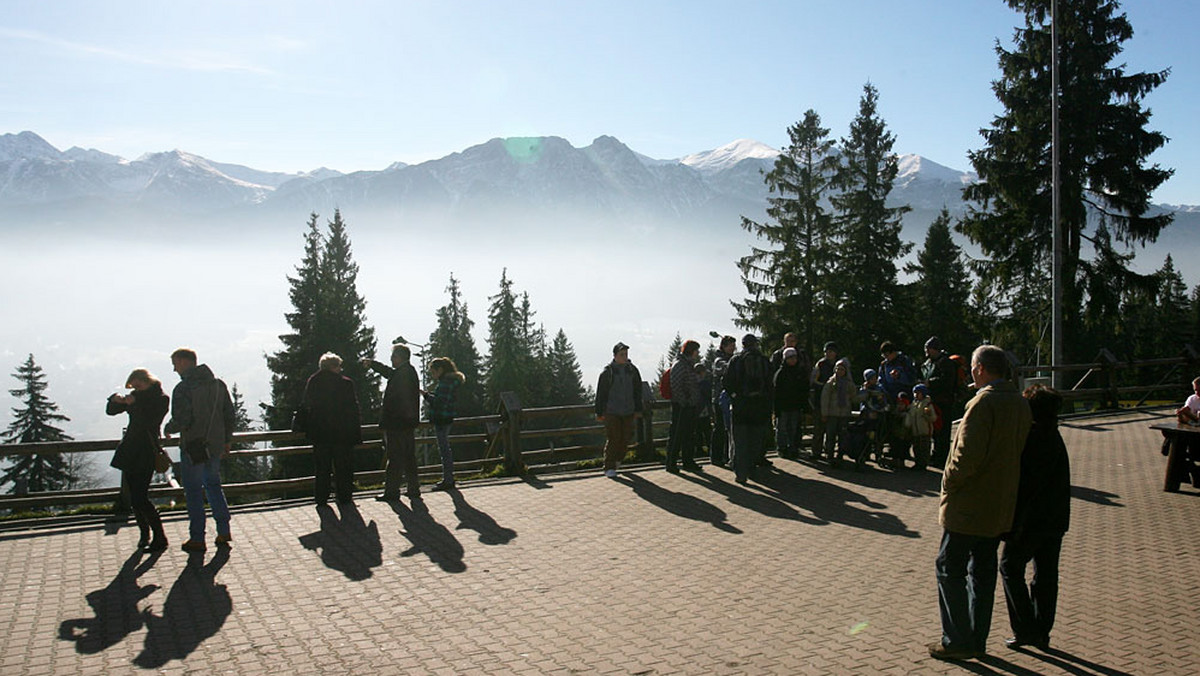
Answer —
490 532
195 610
115 609
347 545
429 537
680 504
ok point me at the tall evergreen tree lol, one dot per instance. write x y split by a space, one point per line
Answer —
36 420
291 366
566 378
1104 178
941 293
452 338
507 354
786 277
864 278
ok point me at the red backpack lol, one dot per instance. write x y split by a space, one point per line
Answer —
664 384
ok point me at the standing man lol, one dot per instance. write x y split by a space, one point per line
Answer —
979 497
334 428
401 414
748 382
618 405
202 414
686 400
822 371
720 449
941 375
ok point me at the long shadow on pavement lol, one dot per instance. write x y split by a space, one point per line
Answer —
1093 495
429 537
994 663
115 607
831 503
347 545
909 482
195 609
762 503
679 504
490 532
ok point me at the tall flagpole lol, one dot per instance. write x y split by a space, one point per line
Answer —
1056 271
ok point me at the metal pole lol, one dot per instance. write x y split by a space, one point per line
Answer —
1056 273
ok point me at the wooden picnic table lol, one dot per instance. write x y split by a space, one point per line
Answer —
1178 467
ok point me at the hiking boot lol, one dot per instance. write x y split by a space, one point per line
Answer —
194 546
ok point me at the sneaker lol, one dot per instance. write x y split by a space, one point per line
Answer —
194 546
225 540
610 473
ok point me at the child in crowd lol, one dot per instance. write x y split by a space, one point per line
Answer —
900 438
920 422
838 397
873 414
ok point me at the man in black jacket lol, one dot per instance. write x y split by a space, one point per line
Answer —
750 386
401 414
333 426
618 405
940 374
1042 517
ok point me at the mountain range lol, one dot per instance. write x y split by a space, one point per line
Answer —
605 181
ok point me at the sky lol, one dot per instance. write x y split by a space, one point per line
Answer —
292 86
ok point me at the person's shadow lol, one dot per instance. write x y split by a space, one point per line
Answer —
490 532
679 504
195 609
347 545
115 607
429 537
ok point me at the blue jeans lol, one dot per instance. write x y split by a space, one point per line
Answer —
199 480
442 432
787 433
966 577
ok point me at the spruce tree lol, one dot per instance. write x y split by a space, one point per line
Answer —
291 366
537 372
864 278
506 346
1104 177
940 294
786 276
36 420
566 379
452 338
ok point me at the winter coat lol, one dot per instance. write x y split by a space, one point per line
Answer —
919 417
401 397
685 385
906 375
442 403
1044 491
331 405
615 372
980 480
941 375
839 397
138 445
791 388
192 409
748 382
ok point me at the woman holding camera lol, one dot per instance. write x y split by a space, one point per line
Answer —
146 405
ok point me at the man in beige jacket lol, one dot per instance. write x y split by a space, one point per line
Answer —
979 495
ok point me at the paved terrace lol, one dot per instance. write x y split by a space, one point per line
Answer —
811 572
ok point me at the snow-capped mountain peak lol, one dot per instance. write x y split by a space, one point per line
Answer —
729 154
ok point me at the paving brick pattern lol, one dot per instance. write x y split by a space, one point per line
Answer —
814 571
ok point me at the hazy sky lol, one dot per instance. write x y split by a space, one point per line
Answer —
350 85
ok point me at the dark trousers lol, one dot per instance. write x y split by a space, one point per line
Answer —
683 435
401 448
966 578
1031 608
138 485
718 446
941 438
749 440
335 460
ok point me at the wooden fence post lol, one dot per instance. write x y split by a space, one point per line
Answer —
510 408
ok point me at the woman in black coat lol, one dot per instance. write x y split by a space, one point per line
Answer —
146 405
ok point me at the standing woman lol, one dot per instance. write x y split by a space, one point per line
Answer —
146 405
442 409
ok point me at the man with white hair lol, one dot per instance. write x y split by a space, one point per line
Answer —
334 428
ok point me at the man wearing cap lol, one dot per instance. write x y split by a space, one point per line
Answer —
618 405
821 372
750 388
978 500
940 373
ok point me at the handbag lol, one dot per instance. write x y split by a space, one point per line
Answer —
162 461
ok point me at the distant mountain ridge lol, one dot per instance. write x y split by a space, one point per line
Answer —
603 179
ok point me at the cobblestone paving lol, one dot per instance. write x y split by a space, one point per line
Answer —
813 571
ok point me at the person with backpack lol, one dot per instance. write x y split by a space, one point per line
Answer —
940 374
749 384
618 405
720 449
685 409
791 391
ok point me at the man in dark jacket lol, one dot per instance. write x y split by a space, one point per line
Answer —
791 392
686 400
940 373
334 428
748 382
618 405
401 414
1042 517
